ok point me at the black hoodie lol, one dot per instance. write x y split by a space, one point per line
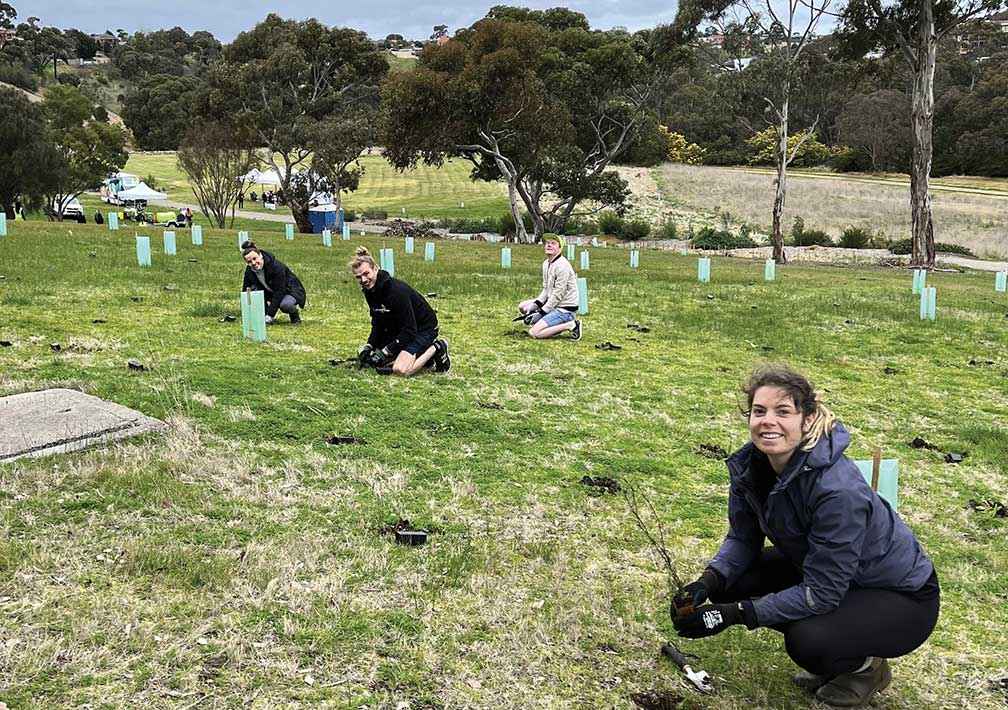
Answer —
280 280
398 313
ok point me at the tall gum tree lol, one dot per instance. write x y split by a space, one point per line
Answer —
295 84
913 29
533 98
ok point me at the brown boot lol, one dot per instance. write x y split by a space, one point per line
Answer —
809 682
851 690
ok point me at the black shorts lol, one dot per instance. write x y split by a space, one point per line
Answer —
423 340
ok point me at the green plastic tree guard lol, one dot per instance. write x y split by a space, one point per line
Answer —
289 230
113 221
703 269
429 251
242 238
770 270
888 480
919 280
169 243
197 235
326 238
634 258
409 245
570 253
1001 281
928 303
505 257
346 232
143 251
253 308
3 224
582 284
585 260
387 261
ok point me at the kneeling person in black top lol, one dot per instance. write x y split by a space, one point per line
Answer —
283 289
404 328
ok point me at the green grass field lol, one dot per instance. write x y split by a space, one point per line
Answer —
424 192
237 561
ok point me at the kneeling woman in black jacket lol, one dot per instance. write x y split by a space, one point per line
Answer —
283 290
404 328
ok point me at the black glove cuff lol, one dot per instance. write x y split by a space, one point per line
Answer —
539 305
748 614
713 581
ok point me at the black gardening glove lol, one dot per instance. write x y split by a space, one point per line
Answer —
364 355
692 595
712 619
377 358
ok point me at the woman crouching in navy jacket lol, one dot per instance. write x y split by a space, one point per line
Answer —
845 580
283 289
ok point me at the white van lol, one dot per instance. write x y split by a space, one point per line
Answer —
72 209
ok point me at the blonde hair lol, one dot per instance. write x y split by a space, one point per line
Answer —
362 256
803 394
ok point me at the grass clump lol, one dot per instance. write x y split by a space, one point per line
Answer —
714 239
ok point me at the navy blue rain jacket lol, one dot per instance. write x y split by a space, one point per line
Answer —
824 517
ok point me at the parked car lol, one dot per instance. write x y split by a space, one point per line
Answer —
72 209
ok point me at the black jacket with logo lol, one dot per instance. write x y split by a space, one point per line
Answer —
398 313
281 281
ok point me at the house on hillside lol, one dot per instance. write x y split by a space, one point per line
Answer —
1000 20
107 42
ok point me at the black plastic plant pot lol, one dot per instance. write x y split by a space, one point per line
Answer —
411 538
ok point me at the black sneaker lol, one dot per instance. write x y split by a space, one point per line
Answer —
295 318
576 332
442 363
384 370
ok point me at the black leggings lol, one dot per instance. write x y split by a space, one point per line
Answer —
868 622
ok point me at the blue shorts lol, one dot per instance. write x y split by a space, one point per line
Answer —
423 341
554 318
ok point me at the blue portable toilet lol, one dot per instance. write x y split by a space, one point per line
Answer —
326 217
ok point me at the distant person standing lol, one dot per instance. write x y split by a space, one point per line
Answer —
241 200
98 219
283 290
188 217
552 311
252 196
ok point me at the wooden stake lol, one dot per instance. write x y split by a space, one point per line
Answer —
876 465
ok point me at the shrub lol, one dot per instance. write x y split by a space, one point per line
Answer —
713 238
611 223
466 225
371 213
802 237
506 223
349 216
668 230
69 79
763 149
18 76
849 160
855 238
636 229
903 246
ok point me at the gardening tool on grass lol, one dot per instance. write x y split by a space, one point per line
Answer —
699 678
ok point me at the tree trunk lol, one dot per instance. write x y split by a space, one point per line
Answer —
300 214
922 117
521 236
780 194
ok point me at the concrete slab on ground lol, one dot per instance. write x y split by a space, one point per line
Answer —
60 420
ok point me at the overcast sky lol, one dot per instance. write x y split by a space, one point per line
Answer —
226 18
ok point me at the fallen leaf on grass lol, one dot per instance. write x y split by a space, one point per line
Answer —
136 365
340 440
656 700
489 405
601 484
919 443
712 451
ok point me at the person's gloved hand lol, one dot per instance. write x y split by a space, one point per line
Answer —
711 619
377 358
529 318
696 593
364 354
